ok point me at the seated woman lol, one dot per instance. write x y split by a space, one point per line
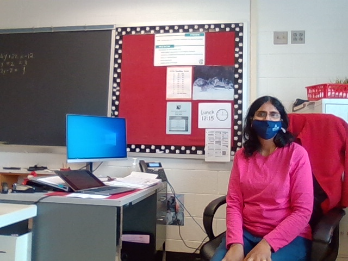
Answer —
270 192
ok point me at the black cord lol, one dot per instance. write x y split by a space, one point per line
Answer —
98 166
196 249
85 167
172 189
200 245
37 201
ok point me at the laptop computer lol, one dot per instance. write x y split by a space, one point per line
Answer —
84 181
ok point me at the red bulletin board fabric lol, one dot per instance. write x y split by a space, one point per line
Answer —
143 90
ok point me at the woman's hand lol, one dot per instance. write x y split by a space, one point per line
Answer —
261 252
235 253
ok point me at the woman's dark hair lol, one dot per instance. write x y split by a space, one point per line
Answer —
283 137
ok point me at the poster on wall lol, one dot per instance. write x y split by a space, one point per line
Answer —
213 83
179 49
178 118
214 115
217 145
179 81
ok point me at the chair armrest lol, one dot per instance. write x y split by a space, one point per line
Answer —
324 229
208 215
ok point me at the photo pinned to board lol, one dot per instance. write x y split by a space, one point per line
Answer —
213 83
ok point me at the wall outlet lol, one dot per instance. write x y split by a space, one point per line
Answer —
175 209
280 37
298 37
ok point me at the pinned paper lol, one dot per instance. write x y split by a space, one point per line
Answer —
214 115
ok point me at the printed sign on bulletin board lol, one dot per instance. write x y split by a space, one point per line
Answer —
179 49
217 145
179 83
214 115
178 118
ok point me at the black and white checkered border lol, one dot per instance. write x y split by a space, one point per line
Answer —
165 29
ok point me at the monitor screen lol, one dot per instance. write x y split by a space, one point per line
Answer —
95 138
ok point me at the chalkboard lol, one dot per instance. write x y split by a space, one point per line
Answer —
46 75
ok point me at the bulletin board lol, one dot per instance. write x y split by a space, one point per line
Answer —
139 87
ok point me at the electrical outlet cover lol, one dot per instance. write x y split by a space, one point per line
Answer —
298 37
175 209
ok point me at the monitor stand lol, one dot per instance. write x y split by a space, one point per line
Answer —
89 166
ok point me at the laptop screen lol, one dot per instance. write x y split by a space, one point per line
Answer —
80 179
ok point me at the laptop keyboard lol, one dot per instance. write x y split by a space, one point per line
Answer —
103 189
108 190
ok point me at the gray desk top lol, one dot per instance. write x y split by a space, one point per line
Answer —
31 198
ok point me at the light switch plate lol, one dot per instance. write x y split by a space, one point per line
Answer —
280 37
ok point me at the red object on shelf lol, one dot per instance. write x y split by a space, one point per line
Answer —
327 90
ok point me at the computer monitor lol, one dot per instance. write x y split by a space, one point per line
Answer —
95 138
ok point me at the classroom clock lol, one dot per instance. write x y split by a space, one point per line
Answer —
222 114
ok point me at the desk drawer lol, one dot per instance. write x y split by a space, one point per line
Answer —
15 248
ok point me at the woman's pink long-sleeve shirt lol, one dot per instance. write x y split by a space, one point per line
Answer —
271 197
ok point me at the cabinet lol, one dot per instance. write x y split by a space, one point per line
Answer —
15 237
136 222
81 229
161 225
338 107
15 248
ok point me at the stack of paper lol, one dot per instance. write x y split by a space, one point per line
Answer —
135 180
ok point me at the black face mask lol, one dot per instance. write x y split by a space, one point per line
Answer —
266 129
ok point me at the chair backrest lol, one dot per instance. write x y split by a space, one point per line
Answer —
324 136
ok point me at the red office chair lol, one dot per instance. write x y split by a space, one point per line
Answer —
325 137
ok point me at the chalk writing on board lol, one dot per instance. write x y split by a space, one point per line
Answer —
14 63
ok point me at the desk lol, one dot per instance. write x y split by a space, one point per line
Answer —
15 247
13 213
88 229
